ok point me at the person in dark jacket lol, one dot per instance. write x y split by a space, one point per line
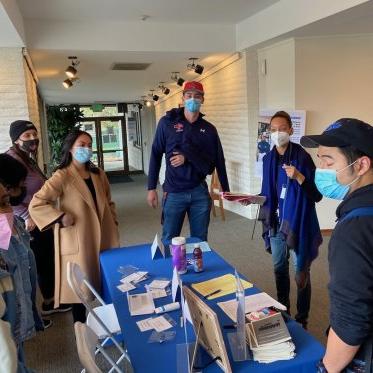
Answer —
345 151
290 224
192 151
24 149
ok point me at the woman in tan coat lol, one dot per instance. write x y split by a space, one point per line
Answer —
77 200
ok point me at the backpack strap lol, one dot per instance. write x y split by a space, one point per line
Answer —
361 211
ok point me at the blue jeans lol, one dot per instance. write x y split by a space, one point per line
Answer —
280 257
196 203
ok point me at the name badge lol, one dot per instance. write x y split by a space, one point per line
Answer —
283 192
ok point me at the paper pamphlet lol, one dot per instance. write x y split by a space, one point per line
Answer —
253 303
157 244
159 284
140 304
219 286
204 246
134 277
158 293
126 286
241 197
159 323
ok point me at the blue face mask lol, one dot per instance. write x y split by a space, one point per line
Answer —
81 154
193 105
328 185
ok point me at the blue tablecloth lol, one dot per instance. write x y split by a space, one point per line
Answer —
162 357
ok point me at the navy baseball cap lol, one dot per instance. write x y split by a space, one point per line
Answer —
344 132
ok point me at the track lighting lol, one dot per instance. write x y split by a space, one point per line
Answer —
146 102
71 70
153 96
192 66
176 78
67 83
164 89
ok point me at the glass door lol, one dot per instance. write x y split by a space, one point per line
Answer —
113 151
109 144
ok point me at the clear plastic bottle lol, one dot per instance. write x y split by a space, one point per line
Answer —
198 261
178 252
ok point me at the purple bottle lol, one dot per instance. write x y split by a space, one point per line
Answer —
178 252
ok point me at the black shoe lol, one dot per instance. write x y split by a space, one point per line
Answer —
48 309
47 323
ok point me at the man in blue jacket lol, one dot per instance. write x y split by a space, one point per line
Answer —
192 151
345 152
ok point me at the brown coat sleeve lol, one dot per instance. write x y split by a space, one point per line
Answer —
42 208
107 190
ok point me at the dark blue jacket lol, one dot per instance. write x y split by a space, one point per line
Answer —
200 144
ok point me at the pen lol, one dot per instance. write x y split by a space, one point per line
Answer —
213 293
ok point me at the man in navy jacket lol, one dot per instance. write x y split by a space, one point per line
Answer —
192 151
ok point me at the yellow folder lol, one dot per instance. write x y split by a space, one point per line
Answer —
219 286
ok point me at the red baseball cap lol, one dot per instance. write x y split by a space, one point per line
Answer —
193 86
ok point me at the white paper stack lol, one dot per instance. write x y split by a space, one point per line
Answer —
269 339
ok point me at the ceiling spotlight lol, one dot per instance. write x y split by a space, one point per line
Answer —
67 83
146 102
192 66
164 89
153 96
176 78
71 71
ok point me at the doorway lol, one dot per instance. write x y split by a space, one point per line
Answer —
110 151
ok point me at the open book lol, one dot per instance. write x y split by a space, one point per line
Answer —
241 197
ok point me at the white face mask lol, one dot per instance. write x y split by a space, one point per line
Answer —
280 138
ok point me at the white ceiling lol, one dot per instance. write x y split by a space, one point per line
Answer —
174 31
99 83
182 11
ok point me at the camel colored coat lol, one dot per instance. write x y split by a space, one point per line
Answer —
94 229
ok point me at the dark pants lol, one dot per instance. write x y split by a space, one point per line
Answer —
42 244
196 203
280 258
79 312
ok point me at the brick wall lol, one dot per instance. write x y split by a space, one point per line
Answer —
13 103
231 104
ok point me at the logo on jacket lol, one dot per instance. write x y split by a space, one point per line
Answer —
179 127
202 130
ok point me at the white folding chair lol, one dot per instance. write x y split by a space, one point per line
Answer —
103 319
87 342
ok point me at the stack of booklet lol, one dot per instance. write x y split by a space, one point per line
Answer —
268 336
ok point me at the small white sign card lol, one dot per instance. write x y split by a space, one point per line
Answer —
175 284
157 246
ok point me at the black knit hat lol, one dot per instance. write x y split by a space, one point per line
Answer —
18 127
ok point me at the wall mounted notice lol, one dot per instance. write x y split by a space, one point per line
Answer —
298 118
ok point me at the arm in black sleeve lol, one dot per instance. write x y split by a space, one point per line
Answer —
351 281
220 167
158 148
312 193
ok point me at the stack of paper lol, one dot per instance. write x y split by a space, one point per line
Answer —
243 198
269 339
140 304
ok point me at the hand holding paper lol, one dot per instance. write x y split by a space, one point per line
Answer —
244 199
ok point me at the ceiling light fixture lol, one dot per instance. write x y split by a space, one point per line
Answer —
198 69
164 89
153 96
71 70
67 83
175 77
146 102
